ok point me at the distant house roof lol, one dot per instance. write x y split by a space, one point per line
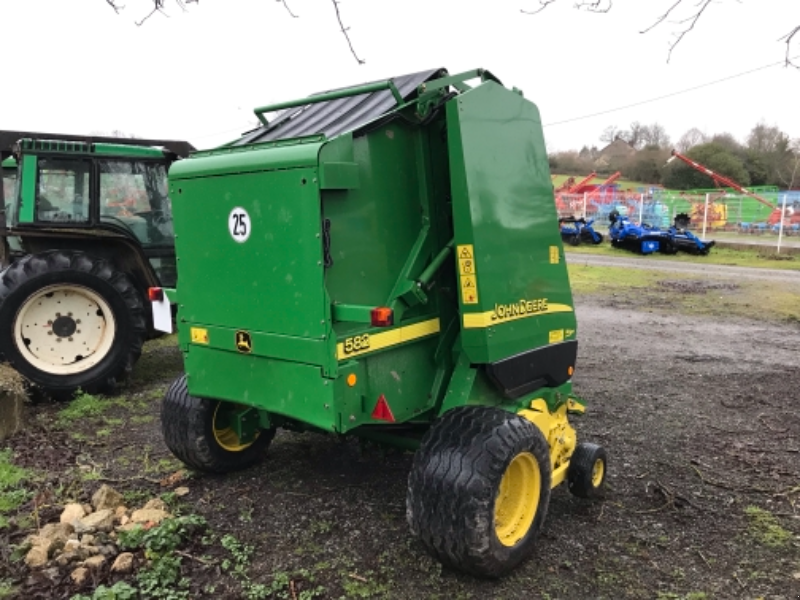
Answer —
619 148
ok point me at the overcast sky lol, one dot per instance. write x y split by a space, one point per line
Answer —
77 67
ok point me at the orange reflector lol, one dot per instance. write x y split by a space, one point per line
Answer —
382 410
570 371
351 379
382 317
155 294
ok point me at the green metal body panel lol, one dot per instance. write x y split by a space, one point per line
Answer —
128 151
273 282
503 207
280 319
27 195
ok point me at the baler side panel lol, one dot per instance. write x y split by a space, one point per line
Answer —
373 227
270 283
505 219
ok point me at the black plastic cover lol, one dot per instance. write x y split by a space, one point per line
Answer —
337 116
526 372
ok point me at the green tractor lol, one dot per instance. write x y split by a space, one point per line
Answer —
87 229
383 261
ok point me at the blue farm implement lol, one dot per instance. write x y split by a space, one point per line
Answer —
646 239
574 231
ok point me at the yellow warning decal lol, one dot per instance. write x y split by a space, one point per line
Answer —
503 313
469 289
466 266
466 269
569 333
554 255
557 335
361 344
199 335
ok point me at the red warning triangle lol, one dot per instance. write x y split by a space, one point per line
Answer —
382 410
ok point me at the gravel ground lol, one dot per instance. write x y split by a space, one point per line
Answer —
699 416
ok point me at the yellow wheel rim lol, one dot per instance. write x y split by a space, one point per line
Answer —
517 499
224 434
598 472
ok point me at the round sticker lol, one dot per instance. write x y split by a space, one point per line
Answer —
239 224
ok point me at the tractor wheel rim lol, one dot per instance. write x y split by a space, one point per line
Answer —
64 329
225 435
517 499
598 472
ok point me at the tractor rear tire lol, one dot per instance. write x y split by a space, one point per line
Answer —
70 321
586 473
479 489
188 426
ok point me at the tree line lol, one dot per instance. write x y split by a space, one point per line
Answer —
767 156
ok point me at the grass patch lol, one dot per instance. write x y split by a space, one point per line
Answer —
84 406
765 529
688 294
11 495
733 257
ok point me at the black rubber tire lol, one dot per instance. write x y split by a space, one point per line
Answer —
599 239
453 485
36 271
575 240
668 247
580 471
187 424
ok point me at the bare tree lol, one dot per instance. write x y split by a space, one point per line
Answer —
789 173
610 134
159 5
685 20
655 136
693 137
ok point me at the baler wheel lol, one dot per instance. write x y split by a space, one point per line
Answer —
479 489
586 473
197 433
70 321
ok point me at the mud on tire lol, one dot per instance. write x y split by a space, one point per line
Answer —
454 483
55 269
187 424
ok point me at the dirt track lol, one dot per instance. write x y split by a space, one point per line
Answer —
699 416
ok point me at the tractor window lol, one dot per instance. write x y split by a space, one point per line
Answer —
9 180
62 193
133 195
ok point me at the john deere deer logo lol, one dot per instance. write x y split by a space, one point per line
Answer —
243 341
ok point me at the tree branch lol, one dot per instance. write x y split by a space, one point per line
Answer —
543 4
662 17
113 5
345 30
594 5
289 10
692 22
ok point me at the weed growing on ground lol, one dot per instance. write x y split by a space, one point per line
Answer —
282 585
161 577
12 496
765 529
83 406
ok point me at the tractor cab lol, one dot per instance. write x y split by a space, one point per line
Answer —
116 191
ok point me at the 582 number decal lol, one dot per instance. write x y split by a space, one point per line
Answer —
356 343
